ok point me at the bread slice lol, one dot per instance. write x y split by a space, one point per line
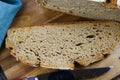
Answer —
62 45
83 8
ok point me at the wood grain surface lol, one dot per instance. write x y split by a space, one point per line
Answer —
33 14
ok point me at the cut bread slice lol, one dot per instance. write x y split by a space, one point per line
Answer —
61 45
83 8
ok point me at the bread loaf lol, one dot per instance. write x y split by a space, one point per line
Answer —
83 8
62 45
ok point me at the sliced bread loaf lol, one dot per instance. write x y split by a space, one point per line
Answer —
83 8
62 45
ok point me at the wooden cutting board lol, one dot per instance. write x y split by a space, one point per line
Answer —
33 14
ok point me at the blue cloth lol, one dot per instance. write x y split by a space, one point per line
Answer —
8 10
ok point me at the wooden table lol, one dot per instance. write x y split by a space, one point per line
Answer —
33 14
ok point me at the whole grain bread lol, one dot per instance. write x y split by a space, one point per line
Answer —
62 45
83 8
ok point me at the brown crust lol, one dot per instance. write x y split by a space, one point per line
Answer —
111 4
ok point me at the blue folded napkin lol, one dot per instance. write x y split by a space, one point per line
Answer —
8 10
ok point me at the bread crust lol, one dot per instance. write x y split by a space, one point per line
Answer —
111 4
